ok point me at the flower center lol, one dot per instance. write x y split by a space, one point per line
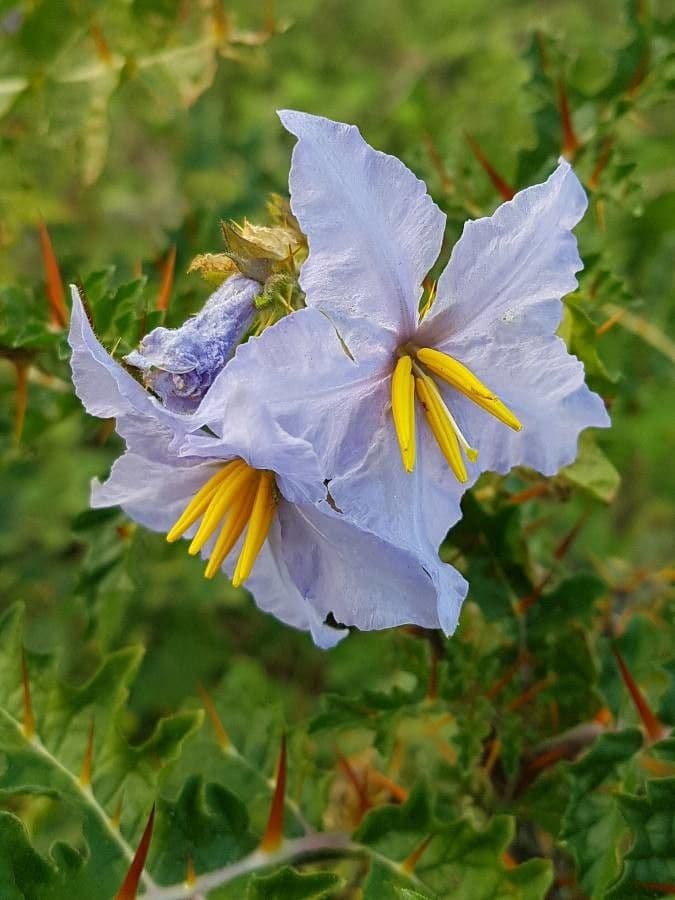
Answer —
411 378
237 497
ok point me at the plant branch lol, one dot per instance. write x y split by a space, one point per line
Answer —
289 851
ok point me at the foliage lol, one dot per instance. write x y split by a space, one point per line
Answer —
513 761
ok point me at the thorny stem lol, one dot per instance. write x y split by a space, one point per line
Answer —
88 796
289 851
310 843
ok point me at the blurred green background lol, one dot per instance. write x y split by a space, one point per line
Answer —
132 127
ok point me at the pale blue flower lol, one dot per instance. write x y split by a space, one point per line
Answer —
313 560
179 364
498 388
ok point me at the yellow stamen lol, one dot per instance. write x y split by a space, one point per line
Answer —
230 490
470 451
444 413
439 422
463 380
201 500
403 410
259 524
232 528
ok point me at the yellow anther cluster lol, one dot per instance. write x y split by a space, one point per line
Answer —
410 377
235 497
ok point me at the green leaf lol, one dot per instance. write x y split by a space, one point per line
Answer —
91 518
24 320
497 556
569 660
10 88
631 55
579 333
412 817
592 471
24 874
651 859
459 861
592 826
205 824
464 863
387 881
545 119
67 874
288 884
574 598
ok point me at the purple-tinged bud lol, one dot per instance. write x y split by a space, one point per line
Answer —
180 364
